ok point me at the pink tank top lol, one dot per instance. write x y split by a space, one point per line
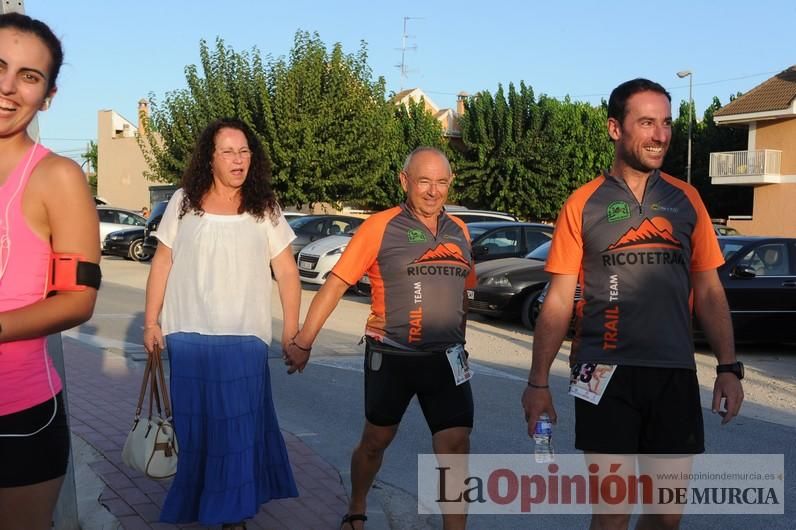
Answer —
24 364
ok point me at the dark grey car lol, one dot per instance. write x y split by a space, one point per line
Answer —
759 279
509 287
506 239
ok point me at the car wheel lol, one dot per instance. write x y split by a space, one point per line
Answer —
530 309
138 252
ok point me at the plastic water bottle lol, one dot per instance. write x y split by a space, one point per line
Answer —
543 440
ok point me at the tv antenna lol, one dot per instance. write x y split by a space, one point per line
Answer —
404 48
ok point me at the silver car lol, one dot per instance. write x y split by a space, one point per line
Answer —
113 219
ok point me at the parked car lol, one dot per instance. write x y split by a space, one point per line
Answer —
363 286
724 230
505 239
309 228
150 241
509 287
112 219
536 307
475 216
759 278
127 243
316 259
292 215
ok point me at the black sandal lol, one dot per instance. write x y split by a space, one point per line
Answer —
234 526
348 519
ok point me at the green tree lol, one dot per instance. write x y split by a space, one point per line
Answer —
525 156
412 126
90 156
171 130
325 124
332 125
706 138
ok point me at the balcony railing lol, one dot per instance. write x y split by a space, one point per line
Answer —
755 163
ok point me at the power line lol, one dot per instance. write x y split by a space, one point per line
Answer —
606 94
735 78
68 139
440 93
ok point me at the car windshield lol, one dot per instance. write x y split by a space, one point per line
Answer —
476 231
540 252
298 222
729 248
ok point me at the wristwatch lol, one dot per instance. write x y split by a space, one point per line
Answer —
736 368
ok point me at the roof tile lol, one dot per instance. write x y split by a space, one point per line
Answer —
776 93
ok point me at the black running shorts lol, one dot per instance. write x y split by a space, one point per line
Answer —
38 458
644 410
392 380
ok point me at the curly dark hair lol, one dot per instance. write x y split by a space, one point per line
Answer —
257 197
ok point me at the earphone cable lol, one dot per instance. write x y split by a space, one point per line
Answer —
5 248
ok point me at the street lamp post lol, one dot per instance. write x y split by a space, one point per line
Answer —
690 76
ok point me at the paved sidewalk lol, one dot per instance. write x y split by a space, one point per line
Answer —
103 392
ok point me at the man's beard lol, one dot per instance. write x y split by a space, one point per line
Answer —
629 158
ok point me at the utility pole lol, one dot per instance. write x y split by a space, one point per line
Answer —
404 48
66 517
690 75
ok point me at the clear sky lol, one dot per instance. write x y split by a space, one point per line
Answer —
119 51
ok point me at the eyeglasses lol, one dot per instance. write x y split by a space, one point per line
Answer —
231 154
425 184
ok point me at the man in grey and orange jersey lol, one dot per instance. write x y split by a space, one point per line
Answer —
641 245
419 263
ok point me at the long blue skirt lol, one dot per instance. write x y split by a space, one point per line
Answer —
232 455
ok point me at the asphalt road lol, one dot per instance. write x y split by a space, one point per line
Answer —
324 405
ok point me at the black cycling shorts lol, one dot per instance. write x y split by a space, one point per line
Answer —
38 458
392 380
644 410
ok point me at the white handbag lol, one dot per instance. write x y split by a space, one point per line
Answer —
151 446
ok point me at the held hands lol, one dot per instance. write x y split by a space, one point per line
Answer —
296 355
535 401
729 387
153 339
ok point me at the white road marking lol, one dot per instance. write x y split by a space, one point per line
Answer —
103 342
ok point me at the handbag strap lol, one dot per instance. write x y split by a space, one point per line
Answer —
159 381
156 381
154 395
144 384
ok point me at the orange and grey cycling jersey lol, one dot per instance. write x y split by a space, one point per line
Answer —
418 280
634 263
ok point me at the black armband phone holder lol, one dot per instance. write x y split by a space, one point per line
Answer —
70 272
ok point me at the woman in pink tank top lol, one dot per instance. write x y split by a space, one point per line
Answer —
45 208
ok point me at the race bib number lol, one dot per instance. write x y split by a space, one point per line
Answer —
457 358
588 381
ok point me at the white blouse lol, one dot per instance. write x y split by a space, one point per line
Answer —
220 278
